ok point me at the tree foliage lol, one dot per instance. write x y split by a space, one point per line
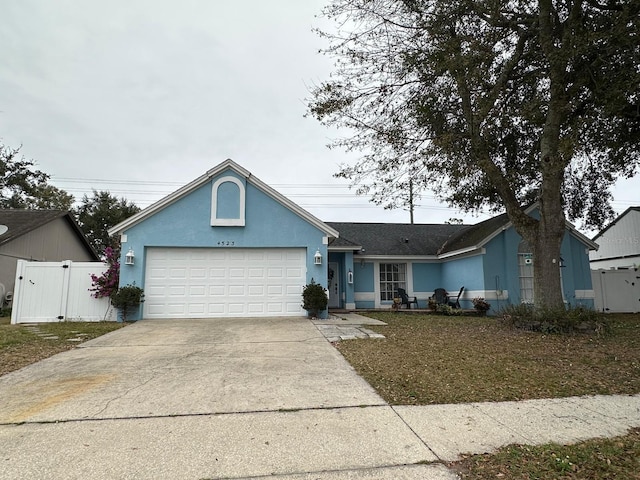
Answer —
102 211
490 104
23 186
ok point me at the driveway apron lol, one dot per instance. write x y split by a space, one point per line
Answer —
211 398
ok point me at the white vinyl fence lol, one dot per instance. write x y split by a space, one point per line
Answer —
616 291
58 291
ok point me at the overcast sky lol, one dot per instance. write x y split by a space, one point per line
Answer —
140 97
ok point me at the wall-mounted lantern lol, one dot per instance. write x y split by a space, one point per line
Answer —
349 276
317 258
129 258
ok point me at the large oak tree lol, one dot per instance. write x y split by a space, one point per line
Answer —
490 104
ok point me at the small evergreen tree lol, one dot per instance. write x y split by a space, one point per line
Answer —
314 298
127 299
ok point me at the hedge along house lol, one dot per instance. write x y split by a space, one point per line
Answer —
228 245
225 245
371 261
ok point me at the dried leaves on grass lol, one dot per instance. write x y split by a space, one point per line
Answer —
20 347
591 460
434 360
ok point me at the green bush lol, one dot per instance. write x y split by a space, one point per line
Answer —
555 320
314 298
127 299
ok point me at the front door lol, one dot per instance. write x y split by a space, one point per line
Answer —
334 285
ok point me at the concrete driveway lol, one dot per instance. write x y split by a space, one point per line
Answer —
218 398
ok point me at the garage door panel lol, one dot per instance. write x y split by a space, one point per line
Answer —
197 290
211 282
237 273
294 290
275 273
236 290
197 273
217 272
256 273
255 309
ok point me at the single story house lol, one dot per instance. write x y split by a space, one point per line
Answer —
229 245
40 236
619 242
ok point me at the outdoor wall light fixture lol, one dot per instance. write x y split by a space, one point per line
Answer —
129 258
349 276
317 258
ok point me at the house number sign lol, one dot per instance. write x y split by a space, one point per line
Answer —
226 243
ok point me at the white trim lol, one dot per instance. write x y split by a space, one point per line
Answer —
464 253
486 294
203 179
350 306
227 222
364 296
396 258
585 294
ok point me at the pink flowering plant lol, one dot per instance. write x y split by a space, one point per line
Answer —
106 284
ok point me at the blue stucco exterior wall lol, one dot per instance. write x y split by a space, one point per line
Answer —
501 271
187 223
228 205
426 276
364 284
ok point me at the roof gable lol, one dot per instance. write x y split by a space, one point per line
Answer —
478 235
615 221
227 165
20 222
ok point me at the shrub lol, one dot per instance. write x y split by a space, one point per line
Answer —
444 309
127 299
314 298
555 320
481 305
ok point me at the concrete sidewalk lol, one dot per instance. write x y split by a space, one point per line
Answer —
252 398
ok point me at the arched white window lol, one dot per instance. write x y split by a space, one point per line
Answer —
227 202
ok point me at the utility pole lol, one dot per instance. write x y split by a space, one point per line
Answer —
411 200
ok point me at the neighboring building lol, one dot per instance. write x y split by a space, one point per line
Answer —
228 245
619 243
41 236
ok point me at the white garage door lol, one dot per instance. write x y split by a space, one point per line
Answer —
224 282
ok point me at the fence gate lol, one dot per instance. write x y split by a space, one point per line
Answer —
616 291
57 291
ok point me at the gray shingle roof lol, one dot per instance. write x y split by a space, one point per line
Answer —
20 222
474 235
394 238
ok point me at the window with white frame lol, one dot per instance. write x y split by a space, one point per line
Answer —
392 277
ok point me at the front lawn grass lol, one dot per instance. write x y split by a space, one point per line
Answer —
20 347
610 458
428 359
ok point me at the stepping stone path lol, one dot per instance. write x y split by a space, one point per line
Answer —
347 326
35 329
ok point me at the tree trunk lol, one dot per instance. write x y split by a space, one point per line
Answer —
547 285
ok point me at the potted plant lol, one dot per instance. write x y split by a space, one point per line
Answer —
481 305
314 299
127 299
